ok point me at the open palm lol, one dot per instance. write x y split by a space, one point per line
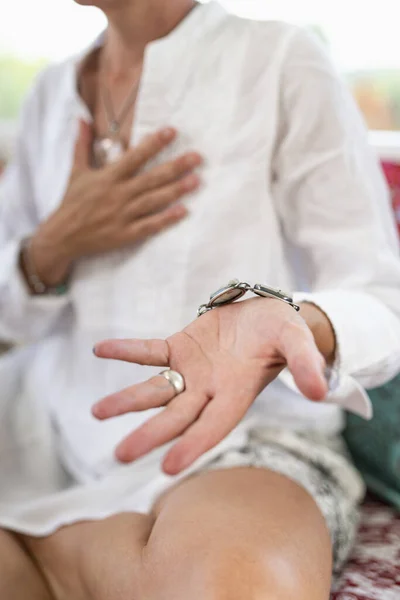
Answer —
227 357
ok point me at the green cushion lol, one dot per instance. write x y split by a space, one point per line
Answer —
375 445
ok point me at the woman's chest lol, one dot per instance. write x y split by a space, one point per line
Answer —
231 229
222 112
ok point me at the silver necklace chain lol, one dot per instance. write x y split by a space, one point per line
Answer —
115 121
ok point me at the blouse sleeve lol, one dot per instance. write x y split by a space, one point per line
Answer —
23 316
335 210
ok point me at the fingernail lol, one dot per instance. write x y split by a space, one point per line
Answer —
172 466
167 134
94 350
193 160
123 456
179 210
191 182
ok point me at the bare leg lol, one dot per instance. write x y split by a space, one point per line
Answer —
94 560
239 534
20 579
222 535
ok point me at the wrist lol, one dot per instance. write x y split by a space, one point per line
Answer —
322 330
50 260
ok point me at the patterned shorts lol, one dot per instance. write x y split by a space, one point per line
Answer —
318 463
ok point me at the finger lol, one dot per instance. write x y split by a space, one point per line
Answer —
163 427
164 174
83 145
137 157
142 352
156 201
149 226
304 360
154 393
218 419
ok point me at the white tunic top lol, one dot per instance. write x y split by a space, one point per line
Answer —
291 196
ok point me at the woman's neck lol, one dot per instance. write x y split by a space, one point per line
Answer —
135 24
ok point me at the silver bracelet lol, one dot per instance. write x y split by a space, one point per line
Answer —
236 289
34 280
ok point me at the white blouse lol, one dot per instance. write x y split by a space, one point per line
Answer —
292 196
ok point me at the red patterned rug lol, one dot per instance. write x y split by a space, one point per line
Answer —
373 573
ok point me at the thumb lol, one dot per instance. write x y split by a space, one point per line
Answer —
305 362
83 146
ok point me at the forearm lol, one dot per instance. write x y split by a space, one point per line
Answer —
321 328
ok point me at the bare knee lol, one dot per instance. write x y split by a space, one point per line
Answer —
255 575
235 573
238 534
226 572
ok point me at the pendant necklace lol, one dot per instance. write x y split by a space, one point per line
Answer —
109 148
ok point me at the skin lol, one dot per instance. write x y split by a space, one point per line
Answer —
229 534
227 357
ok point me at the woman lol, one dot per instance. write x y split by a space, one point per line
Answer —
184 148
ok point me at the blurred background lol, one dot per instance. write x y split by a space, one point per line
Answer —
362 37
